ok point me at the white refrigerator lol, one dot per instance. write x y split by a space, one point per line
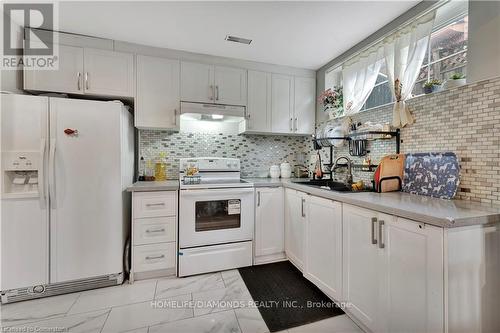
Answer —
65 167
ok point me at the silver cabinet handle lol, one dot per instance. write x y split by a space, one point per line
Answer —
155 204
291 124
87 84
380 234
303 212
211 97
155 230
79 80
295 124
155 257
258 199
216 93
374 240
175 117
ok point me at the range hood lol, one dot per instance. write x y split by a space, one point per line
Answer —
212 112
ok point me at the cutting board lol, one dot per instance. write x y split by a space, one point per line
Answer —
432 174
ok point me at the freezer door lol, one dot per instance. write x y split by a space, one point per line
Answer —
24 215
85 189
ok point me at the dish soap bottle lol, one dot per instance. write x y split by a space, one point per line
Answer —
161 167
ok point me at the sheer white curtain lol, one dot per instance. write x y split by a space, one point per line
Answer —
359 76
404 54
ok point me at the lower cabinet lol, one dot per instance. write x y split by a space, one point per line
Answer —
154 234
323 245
269 225
392 272
295 217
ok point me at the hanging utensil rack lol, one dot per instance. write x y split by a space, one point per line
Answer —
384 135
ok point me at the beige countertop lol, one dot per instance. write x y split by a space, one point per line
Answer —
438 212
168 185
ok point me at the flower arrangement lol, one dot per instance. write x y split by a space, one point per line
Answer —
333 101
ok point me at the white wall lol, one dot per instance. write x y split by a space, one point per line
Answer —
484 40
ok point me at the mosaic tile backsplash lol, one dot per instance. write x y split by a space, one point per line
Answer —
464 120
256 152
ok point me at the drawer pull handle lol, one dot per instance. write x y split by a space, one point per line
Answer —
155 257
155 230
155 204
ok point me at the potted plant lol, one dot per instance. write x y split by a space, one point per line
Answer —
456 80
433 85
333 102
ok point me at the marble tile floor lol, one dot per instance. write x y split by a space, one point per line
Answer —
215 303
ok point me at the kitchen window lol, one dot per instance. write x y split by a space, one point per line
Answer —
446 55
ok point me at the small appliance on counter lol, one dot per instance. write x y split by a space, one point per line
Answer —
300 171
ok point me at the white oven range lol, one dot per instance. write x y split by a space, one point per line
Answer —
216 216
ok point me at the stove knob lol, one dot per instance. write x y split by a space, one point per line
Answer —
228 165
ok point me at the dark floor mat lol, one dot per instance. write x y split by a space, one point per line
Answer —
284 296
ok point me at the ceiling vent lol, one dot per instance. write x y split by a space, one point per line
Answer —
235 39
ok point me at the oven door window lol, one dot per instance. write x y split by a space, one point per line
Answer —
217 215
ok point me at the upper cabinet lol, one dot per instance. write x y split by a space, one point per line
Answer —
204 83
282 103
86 71
197 82
304 105
230 86
108 73
157 103
68 78
259 102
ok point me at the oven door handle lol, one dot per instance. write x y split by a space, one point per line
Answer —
223 192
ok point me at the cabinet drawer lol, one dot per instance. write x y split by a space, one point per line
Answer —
154 256
155 204
154 230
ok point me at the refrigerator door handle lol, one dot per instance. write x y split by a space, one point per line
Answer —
41 174
52 173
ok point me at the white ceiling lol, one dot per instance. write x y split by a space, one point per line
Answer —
299 34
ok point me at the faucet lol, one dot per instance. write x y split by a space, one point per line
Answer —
349 167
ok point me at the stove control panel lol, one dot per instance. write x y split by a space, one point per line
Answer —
210 164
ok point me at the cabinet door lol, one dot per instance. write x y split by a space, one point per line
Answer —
282 103
361 265
269 222
197 82
108 73
259 102
230 86
158 93
305 103
295 216
414 277
68 78
323 246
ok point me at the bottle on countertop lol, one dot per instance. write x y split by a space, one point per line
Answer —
161 167
148 174
142 166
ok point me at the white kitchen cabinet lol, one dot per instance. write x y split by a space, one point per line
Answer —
269 225
157 103
108 73
413 276
295 218
304 105
154 234
230 85
393 272
362 263
259 102
197 82
282 99
323 245
68 78
86 71
205 83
